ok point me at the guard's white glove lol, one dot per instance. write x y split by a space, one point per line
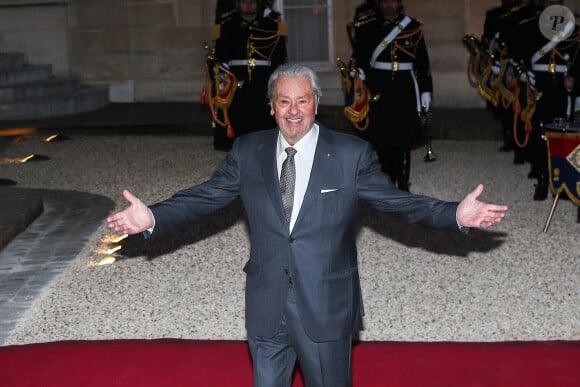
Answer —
426 100
495 68
361 73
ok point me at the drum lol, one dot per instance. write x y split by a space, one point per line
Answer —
563 140
564 158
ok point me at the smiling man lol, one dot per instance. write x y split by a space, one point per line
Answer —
301 185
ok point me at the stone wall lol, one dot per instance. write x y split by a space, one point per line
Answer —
152 50
37 29
147 50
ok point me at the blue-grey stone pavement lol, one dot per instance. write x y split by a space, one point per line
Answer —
44 249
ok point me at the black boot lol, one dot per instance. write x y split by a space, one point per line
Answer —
405 171
541 192
519 156
507 131
534 172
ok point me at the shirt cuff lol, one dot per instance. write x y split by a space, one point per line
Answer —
147 233
463 229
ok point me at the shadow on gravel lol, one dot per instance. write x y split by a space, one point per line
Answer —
434 241
413 236
189 233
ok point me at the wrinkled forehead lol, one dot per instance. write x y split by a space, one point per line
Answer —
293 86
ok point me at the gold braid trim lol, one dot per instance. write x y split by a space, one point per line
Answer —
222 90
489 95
526 114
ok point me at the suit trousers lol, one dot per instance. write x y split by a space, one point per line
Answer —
326 364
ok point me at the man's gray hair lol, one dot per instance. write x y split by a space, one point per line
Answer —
294 70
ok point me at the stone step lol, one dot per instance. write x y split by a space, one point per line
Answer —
44 88
80 101
11 61
32 73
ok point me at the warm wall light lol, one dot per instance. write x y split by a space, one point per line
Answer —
109 250
114 238
33 157
10 132
25 159
103 261
56 137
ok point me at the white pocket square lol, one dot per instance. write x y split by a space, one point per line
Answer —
328 190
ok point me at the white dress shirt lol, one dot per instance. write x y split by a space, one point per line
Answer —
305 149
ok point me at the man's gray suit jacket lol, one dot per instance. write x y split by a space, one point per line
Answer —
320 254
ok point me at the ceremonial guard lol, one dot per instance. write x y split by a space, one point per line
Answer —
247 48
390 48
553 64
500 76
495 28
511 36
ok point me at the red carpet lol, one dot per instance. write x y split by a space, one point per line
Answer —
173 362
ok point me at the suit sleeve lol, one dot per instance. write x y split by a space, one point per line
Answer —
377 189
192 203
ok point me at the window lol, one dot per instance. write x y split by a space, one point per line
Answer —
309 25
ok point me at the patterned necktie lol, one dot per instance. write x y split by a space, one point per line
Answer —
287 182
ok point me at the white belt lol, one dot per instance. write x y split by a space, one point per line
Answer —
394 66
551 69
251 62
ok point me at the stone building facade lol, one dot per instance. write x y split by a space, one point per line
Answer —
153 50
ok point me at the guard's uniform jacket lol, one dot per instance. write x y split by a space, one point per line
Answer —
393 55
397 76
550 63
251 50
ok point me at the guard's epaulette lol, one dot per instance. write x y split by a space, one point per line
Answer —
282 28
226 15
365 16
216 31
505 14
